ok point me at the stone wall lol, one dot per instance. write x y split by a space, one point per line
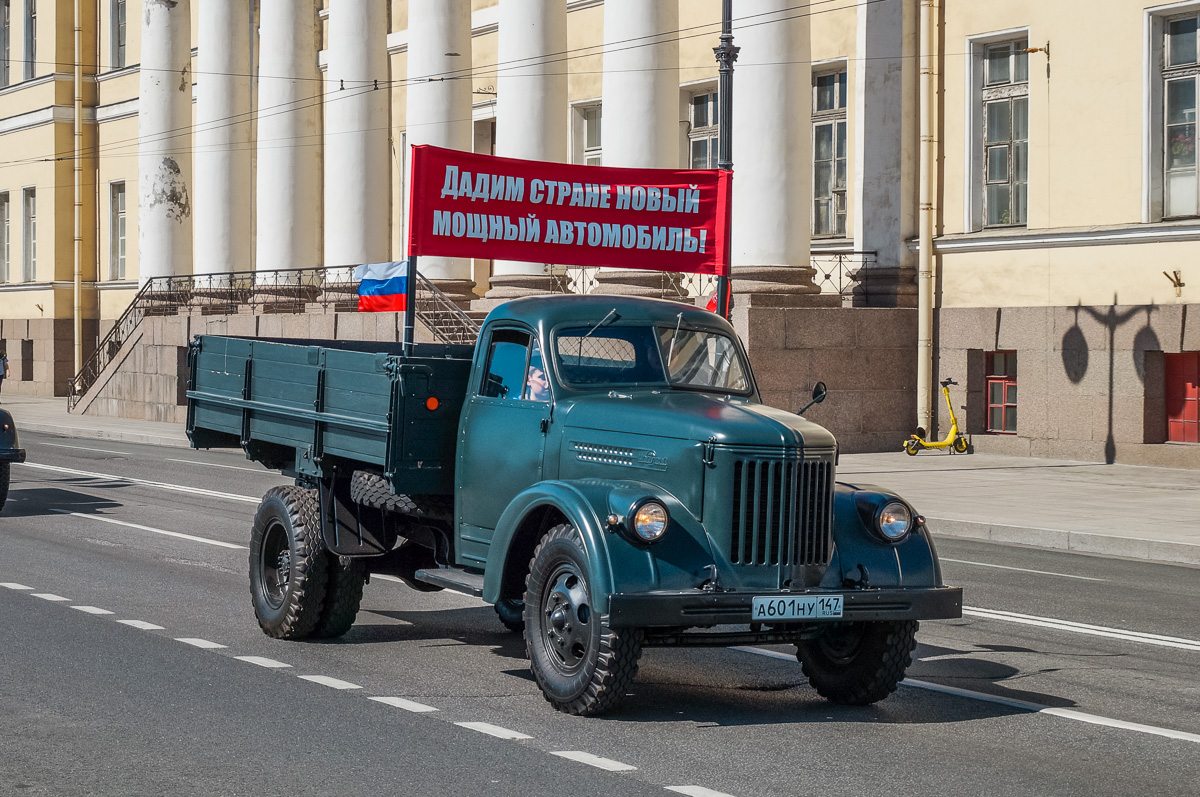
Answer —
865 356
1090 380
41 354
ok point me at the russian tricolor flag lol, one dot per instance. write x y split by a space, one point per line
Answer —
382 287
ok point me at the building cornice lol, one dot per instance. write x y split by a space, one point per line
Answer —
1066 237
125 109
54 114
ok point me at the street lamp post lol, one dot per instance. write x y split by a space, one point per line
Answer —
726 54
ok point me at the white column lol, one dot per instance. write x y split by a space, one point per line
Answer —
531 108
223 139
772 110
357 172
164 165
641 84
288 232
439 111
885 147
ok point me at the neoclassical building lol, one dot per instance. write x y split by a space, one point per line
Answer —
922 189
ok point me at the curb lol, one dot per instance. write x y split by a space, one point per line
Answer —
106 434
1074 541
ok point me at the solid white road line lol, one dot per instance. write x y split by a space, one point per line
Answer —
594 760
215 465
151 529
142 624
407 705
262 662
1020 569
49 596
92 609
84 448
13 585
697 791
332 683
179 488
1083 628
492 730
1036 708
199 643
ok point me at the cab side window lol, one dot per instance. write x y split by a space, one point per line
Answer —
508 356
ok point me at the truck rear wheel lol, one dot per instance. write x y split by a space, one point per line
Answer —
582 664
857 664
289 567
511 612
5 475
343 595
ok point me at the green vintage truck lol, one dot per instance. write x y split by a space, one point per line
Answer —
601 469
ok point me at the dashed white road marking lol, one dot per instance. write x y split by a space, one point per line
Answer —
85 448
407 705
179 488
199 643
262 662
151 529
492 730
141 624
697 791
1021 569
13 585
92 609
1036 708
1083 628
594 760
49 596
215 465
333 683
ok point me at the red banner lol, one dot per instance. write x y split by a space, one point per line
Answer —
467 205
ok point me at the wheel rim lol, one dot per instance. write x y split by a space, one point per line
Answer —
566 618
275 565
841 643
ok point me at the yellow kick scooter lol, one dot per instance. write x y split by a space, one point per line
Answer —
955 440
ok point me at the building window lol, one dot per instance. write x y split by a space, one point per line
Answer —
591 117
702 137
5 33
5 237
1006 134
829 154
1183 396
29 244
116 232
1180 187
30 39
1002 392
118 34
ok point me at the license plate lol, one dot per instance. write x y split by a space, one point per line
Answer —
799 607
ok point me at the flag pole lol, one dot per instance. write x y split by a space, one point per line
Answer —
726 55
410 305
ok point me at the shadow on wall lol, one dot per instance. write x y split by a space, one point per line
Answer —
1076 353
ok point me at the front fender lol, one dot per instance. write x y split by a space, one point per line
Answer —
10 448
910 563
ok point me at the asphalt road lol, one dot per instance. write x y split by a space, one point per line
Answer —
1080 679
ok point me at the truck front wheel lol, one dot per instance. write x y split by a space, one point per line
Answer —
582 664
289 569
856 664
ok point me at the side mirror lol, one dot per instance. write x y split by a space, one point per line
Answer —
819 392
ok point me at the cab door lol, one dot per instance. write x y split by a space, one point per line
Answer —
503 437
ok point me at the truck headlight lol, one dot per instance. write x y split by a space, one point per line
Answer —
893 521
650 521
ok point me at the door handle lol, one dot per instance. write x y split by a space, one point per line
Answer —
545 425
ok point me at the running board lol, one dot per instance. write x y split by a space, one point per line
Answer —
453 578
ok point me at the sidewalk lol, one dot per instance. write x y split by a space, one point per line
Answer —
1120 510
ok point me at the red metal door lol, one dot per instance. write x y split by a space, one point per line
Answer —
1183 397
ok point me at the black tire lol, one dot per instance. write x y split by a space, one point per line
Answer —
857 664
371 489
582 664
5 475
289 567
911 447
343 595
511 612
961 445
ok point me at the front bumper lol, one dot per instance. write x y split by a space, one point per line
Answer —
12 455
693 608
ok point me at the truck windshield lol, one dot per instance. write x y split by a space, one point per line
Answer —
635 355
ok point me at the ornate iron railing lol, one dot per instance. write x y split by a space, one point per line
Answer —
260 292
839 272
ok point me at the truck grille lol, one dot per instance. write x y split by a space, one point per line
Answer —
781 512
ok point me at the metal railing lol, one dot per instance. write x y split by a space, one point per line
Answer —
257 293
840 272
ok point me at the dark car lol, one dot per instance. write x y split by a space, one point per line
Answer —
9 452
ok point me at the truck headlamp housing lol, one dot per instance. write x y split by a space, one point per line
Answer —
649 521
893 521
